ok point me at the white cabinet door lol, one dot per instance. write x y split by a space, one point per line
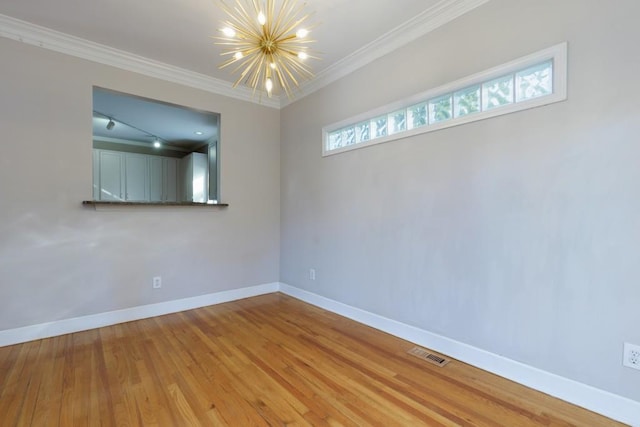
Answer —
170 180
163 175
185 177
136 177
156 179
110 176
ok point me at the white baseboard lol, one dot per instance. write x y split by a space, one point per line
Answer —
77 324
608 404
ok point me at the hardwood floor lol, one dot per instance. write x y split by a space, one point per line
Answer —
265 361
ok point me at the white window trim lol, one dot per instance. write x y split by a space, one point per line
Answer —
557 53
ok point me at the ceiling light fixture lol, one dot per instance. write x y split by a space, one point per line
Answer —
267 46
155 140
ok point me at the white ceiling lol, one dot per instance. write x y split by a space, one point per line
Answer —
178 32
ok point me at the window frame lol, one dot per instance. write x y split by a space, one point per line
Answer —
557 54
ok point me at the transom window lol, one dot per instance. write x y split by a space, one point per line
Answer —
528 82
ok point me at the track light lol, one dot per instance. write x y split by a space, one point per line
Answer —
155 141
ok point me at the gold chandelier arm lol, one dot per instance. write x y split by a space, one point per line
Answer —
288 73
296 66
282 13
289 23
271 11
240 14
283 82
249 71
247 57
258 72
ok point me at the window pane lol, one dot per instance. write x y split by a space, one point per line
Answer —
440 109
362 132
379 127
397 121
417 115
534 81
497 92
335 140
348 136
466 101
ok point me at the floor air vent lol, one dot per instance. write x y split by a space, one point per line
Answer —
424 354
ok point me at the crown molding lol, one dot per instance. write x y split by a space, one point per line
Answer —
46 38
438 15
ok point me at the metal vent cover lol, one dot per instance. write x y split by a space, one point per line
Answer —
426 355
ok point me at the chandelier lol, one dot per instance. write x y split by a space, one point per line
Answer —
267 46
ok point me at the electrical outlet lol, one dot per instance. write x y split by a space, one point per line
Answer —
631 356
312 274
157 282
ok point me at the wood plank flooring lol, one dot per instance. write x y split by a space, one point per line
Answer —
265 361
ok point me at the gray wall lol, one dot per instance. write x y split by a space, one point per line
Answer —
60 260
518 234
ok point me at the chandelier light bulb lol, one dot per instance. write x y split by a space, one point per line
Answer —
238 55
261 18
303 55
229 32
268 85
272 65
302 33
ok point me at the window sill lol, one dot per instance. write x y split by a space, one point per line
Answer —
98 204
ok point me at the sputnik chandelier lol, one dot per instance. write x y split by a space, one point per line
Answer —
267 46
